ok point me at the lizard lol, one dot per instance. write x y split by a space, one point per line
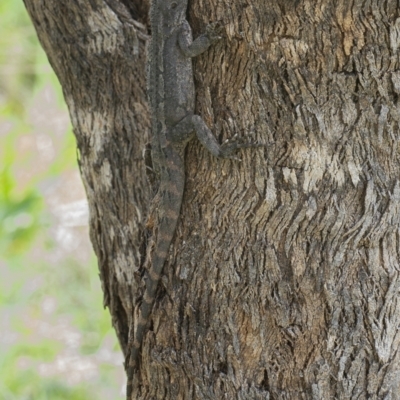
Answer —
171 95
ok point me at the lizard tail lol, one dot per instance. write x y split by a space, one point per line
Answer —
171 187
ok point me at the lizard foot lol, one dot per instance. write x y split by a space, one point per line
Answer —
214 31
230 146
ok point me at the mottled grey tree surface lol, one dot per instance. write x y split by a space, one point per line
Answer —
283 278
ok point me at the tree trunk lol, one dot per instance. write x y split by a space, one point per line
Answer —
283 278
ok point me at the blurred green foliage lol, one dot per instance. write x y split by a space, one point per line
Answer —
56 341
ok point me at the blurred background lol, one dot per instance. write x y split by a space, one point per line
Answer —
56 340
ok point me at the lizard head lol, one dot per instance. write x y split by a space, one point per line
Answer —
173 11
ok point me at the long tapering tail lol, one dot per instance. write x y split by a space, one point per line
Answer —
171 187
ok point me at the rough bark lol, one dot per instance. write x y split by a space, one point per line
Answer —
283 278
91 48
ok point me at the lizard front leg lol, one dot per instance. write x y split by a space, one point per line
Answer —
193 48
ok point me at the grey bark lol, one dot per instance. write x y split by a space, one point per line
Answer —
283 278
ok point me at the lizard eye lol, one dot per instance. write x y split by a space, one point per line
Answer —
174 5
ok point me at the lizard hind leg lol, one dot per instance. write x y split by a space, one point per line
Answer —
194 123
171 193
